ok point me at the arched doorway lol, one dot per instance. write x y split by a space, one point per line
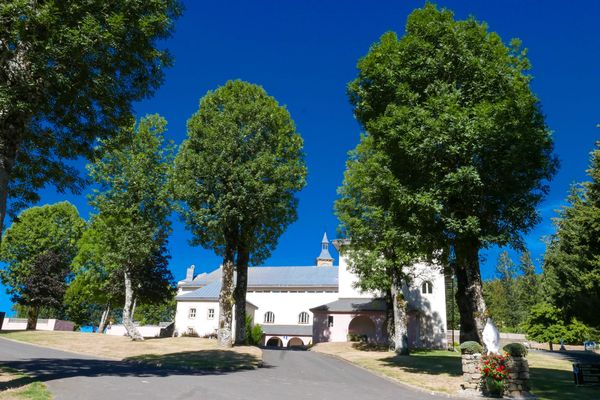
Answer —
362 326
295 342
274 342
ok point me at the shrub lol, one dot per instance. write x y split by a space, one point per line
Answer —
355 337
254 333
515 349
471 347
190 333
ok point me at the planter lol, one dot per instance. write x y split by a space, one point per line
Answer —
494 388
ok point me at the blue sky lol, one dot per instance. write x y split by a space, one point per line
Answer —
305 52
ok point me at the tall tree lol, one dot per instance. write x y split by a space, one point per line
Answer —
69 71
527 286
572 260
36 231
375 212
237 174
451 107
134 201
501 293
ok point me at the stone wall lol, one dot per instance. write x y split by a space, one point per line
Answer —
518 377
471 371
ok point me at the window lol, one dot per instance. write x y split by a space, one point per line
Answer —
330 321
269 317
192 313
426 287
303 318
211 313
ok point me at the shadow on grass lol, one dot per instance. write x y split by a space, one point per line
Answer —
421 361
556 384
208 360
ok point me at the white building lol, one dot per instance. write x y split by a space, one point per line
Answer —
302 305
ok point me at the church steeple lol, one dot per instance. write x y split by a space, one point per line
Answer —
324 259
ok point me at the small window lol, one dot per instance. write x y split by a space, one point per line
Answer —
330 321
192 313
269 317
303 318
426 287
211 313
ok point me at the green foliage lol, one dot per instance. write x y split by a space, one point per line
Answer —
52 228
71 71
471 347
512 293
515 349
449 111
255 332
547 323
153 314
239 169
572 259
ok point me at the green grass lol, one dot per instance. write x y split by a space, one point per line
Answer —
552 379
18 386
222 360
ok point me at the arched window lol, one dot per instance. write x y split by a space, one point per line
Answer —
269 317
303 318
426 287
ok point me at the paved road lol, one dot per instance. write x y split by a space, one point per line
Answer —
287 375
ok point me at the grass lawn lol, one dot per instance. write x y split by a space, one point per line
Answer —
17 386
194 353
440 370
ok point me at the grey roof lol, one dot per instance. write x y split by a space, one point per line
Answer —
352 305
289 330
208 292
265 277
276 277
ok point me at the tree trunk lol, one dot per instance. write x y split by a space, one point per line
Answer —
389 318
32 317
241 288
132 331
400 323
469 293
224 332
8 156
104 319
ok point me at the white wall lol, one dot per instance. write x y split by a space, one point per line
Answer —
432 306
201 324
287 306
346 280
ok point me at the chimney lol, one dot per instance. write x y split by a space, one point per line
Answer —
189 276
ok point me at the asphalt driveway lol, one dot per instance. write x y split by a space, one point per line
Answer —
286 375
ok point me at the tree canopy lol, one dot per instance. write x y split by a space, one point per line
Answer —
69 72
572 260
237 174
450 106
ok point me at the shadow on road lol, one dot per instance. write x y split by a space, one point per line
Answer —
48 369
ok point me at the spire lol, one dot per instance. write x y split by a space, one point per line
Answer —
324 259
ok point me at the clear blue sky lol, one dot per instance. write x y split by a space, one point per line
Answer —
305 52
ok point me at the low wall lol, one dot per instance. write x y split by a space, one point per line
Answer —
147 331
20 324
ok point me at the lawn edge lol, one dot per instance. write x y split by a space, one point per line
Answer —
393 380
